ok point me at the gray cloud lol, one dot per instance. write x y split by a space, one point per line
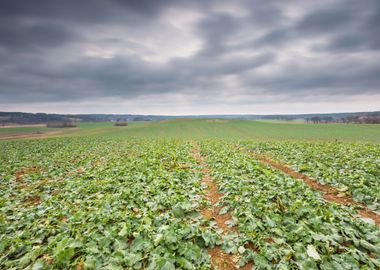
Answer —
365 35
325 20
232 53
305 79
29 37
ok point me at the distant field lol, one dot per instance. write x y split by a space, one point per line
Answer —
212 128
241 129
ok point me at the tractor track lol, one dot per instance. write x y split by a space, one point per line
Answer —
329 193
219 259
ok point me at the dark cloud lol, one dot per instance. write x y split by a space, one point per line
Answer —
215 30
365 35
93 11
305 79
274 38
343 26
324 21
29 37
230 52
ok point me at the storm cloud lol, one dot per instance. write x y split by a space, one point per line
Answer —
189 57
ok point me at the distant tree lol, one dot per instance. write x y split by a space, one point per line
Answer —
141 118
327 119
120 124
61 124
316 119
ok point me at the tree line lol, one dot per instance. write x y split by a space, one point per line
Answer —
353 119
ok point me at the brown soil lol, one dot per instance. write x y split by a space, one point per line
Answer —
330 194
23 186
48 259
219 259
17 125
33 200
39 183
81 170
80 266
213 196
28 135
20 174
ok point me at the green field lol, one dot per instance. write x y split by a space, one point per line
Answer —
241 129
190 194
223 129
21 130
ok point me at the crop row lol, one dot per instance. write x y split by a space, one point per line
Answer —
90 203
353 169
101 203
288 224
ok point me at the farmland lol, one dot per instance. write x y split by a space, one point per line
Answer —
192 194
216 129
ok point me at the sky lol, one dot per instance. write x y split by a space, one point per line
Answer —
189 57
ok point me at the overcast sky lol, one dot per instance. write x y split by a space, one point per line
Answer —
189 57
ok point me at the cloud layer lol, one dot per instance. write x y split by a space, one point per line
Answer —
189 57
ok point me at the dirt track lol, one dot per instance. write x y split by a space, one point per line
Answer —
219 259
330 194
15 126
28 135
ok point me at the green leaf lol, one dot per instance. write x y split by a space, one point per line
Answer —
313 253
178 212
168 266
38 265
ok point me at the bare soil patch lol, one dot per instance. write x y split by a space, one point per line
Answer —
17 125
34 200
20 174
219 259
213 196
37 134
330 193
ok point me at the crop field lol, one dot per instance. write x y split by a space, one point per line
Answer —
212 129
353 169
213 197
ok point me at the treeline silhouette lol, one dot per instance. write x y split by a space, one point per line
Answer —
371 118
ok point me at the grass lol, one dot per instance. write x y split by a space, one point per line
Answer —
223 129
